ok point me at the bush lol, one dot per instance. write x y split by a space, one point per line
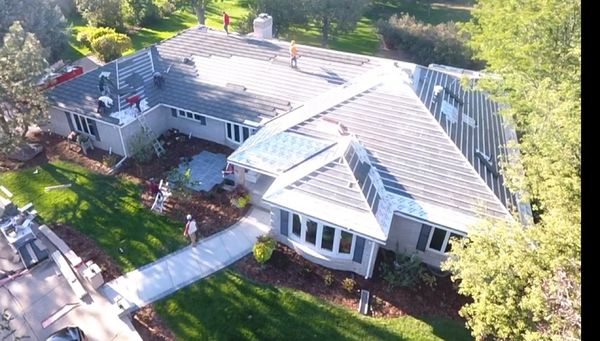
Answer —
240 197
109 160
403 271
165 7
428 278
140 148
111 46
328 278
349 284
263 248
425 43
140 12
90 33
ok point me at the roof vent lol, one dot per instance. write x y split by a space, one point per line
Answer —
342 129
187 61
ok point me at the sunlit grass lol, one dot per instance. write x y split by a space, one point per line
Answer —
106 208
227 306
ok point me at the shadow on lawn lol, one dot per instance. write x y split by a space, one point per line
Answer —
109 210
234 307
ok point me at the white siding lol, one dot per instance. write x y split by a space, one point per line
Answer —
109 134
214 130
403 237
321 259
156 119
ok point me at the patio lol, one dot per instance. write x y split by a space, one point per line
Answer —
205 170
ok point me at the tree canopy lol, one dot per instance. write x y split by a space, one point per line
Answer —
21 104
40 17
333 16
526 281
101 12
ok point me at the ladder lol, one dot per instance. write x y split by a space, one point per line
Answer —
158 147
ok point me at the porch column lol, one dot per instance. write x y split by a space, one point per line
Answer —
239 173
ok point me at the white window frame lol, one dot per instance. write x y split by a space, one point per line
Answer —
319 238
78 121
241 127
446 239
184 114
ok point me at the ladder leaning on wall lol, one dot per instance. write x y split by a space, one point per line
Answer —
158 147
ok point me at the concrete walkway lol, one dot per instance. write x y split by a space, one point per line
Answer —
175 271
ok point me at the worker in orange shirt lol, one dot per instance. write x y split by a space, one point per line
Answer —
293 55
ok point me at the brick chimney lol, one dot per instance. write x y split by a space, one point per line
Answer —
263 26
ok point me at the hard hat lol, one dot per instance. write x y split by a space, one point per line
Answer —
188 217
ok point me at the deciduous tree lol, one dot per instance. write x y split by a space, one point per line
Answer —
526 281
333 16
21 104
101 12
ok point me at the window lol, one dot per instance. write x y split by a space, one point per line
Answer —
84 125
324 238
181 113
448 246
311 232
439 240
173 112
296 225
190 115
238 133
327 238
345 242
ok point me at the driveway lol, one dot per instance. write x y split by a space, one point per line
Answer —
37 294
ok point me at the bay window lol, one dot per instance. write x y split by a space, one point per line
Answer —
324 238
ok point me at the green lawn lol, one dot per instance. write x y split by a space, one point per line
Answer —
227 306
362 40
106 208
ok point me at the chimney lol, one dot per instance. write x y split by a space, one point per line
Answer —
263 26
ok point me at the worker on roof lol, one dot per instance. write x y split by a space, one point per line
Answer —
226 22
293 54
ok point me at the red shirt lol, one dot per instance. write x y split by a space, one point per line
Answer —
225 19
133 99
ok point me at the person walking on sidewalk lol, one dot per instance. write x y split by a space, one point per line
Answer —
293 55
226 22
190 229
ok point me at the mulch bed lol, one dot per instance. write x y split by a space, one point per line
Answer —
289 269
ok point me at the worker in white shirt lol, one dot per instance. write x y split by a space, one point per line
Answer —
190 229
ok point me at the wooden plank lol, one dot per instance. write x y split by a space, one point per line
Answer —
26 207
69 275
49 188
6 191
61 246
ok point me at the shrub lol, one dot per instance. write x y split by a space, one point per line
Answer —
240 197
428 278
348 284
425 43
90 33
328 278
140 148
263 248
111 46
139 12
403 271
109 160
165 7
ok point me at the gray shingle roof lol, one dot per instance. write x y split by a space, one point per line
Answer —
231 78
477 126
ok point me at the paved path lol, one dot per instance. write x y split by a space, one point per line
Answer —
175 271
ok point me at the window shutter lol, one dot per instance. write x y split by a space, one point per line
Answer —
69 121
423 237
173 112
359 248
284 222
92 123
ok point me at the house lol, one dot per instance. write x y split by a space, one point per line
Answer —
350 153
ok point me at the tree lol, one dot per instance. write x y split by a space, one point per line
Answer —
40 17
333 16
101 12
526 281
21 104
199 7
139 12
284 12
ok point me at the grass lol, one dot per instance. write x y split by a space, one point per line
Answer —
227 306
106 208
363 39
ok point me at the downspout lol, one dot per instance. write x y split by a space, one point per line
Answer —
118 164
370 267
